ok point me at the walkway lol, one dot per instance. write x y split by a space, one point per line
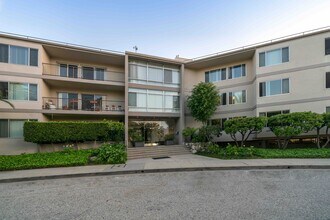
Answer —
187 162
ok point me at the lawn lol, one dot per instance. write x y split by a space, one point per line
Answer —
277 153
43 160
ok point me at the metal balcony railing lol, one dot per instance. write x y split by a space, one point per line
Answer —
54 103
79 72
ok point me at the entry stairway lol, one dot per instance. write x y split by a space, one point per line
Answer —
156 151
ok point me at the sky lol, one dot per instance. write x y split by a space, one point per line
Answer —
189 28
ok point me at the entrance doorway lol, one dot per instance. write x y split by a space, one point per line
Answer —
151 132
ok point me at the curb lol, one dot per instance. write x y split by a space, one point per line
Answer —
163 170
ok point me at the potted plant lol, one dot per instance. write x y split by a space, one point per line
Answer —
137 139
169 139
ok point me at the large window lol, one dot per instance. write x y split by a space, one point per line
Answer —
12 128
215 75
220 122
153 100
237 71
237 97
19 91
327 46
18 55
68 101
153 74
272 113
274 87
274 57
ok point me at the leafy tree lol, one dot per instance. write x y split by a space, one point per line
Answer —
324 121
2 99
203 101
286 126
188 133
240 129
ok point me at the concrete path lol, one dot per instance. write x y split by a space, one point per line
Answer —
177 163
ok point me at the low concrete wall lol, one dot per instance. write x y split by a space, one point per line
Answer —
13 146
19 146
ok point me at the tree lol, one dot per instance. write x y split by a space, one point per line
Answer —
324 121
286 126
240 129
203 101
2 99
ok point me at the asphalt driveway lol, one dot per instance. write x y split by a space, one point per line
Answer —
237 194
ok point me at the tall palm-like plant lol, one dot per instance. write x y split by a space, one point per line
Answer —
2 99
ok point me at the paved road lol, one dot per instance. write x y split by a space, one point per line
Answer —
260 194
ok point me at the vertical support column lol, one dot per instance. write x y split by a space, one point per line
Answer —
126 100
182 106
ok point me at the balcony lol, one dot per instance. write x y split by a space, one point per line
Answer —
82 106
57 74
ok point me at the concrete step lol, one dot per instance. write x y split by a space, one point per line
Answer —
156 151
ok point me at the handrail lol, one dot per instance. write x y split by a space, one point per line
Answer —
250 46
61 43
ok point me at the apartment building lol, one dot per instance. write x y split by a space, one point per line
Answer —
51 81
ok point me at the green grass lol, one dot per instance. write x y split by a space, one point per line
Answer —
278 153
43 160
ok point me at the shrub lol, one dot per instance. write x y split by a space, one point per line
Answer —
233 151
208 132
214 149
323 121
188 133
169 137
111 154
286 126
70 132
240 129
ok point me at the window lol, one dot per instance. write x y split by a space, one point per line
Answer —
18 55
237 71
327 80
153 100
99 74
20 91
327 109
132 99
220 122
215 75
67 101
153 74
327 46
274 57
33 57
272 113
223 99
88 73
69 71
4 55
12 128
274 87
237 97
4 90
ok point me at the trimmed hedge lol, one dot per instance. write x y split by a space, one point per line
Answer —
73 132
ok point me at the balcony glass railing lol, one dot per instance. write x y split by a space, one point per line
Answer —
88 73
53 103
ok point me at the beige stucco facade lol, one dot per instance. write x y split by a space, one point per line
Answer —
306 70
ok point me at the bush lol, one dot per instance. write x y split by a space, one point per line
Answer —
233 151
71 132
205 134
188 133
111 154
214 149
64 158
